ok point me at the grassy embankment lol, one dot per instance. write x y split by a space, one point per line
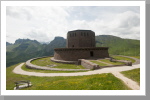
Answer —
138 57
107 62
47 71
112 63
99 63
123 58
47 62
89 82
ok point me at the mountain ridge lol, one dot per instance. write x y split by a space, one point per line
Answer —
24 49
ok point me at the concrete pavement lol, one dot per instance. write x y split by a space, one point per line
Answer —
18 70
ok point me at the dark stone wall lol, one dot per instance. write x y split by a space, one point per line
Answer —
73 54
80 45
80 38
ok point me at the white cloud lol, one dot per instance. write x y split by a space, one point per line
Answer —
126 25
44 23
47 22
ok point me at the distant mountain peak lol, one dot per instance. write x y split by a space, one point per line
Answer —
58 38
19 41
7 43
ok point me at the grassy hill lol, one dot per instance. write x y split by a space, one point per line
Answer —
119 46
24 49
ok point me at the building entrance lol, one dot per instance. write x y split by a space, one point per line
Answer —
91 53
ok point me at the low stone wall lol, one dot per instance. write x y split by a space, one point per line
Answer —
63 61
87 64
31 66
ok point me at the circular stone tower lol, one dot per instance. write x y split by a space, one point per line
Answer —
80 45
80 38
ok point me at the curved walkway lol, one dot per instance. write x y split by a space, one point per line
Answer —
18 70
114 70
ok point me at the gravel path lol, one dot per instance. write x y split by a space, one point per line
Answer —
114 70
18 70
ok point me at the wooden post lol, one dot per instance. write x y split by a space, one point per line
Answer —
17 86
28 82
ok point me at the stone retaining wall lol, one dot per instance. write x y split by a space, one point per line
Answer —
87 64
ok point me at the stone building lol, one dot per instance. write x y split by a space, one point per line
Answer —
80 38
80 45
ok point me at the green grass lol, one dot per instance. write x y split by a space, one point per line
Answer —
113 63
133 74
123 58
99 63
89 82
138 57
47 71
46 61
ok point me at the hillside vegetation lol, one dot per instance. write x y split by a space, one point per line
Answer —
24 49
119 46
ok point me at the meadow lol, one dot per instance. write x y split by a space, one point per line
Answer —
88 82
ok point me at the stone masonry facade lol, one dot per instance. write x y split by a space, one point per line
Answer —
73 54
80 38
80 45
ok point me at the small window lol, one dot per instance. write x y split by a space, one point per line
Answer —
75 34
81 34
87 34
72 45
84 34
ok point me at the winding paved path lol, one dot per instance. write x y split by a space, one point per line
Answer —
18 70
114 70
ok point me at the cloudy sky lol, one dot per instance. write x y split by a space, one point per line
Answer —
43 23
